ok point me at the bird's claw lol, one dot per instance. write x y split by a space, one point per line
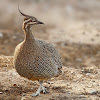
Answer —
35 94
45 90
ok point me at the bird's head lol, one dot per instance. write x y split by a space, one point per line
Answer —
29 20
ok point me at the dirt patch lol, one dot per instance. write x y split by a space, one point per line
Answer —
73 84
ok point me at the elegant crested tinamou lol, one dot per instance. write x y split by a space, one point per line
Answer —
36 59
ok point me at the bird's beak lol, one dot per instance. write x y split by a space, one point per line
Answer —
40 22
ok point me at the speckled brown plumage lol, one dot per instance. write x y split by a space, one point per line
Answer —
36 59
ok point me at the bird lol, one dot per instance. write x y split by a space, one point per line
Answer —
35 59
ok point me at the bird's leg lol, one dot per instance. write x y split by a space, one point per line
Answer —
39 89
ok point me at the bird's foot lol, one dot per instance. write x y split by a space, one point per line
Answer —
36 94
41 88
44 90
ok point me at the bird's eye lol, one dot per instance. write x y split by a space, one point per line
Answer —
26 19
30 20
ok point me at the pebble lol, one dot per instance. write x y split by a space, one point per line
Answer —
69 9
93 81
23 98
69 92
14 85
52 99
92 92
48 82
88 73
82 97
97 35
6 90
79 60
23 94
31 88
1 34
14 37
83 33
55 87
92 39
1 92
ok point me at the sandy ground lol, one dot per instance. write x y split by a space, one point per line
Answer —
73 27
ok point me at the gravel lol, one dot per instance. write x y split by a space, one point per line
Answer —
92 92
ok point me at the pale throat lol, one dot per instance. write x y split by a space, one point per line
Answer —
28 35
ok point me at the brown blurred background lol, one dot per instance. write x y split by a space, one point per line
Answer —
73 26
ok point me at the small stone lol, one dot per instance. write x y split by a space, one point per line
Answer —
92 92
6 90
48 82
1 92
23 98
92 39
31 88
1 35
69 92
97 84
55 87
79 60
83 33
82 97
23 94
88 73
52 99
69 9
97 35
14 85
93 80
14 37
96 98
51 82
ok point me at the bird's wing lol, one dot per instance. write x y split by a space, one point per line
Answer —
52 51
55 55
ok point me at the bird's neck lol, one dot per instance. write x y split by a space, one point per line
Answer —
28 35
